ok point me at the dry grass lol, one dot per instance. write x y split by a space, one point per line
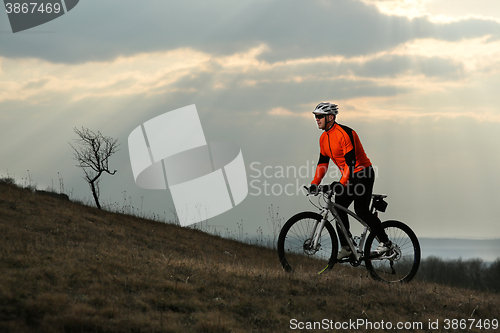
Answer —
65 267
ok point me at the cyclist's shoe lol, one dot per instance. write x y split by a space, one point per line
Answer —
383 248
344 252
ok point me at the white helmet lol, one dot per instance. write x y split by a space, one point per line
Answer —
326 108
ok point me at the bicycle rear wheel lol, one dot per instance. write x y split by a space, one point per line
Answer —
295 245
401 263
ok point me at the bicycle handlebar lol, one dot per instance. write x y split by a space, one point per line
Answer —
321 189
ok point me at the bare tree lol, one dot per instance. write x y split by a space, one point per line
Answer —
93 155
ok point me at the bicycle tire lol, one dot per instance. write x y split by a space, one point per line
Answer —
404 265
293 251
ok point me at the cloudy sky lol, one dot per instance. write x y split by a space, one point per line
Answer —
417 80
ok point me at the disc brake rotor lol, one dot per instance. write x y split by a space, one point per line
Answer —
308 249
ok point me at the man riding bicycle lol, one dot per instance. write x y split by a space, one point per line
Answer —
342 145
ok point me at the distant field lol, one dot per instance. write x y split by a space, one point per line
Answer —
446 248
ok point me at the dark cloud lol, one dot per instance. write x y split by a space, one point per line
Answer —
389 66
266 95
103 30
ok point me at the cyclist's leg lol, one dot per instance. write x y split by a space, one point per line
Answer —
344 199
363 189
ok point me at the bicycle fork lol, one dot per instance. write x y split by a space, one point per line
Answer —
317 230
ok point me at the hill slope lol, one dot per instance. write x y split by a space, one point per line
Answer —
65 267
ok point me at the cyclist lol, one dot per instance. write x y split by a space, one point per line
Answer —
342 145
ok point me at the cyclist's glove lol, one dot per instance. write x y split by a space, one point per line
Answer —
313 189
337 187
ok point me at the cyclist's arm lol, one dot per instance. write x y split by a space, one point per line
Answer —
321 169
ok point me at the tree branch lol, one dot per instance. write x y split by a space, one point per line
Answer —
93 157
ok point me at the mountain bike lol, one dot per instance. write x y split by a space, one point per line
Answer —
308 242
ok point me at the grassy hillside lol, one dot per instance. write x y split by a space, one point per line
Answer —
65 267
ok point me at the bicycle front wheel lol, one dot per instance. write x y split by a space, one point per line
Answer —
295 245
401 263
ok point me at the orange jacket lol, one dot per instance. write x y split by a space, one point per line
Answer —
342 145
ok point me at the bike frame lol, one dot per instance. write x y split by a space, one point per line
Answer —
332 207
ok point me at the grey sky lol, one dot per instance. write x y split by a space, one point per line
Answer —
292 29
417 84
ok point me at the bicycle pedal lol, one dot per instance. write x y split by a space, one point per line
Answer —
350 259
